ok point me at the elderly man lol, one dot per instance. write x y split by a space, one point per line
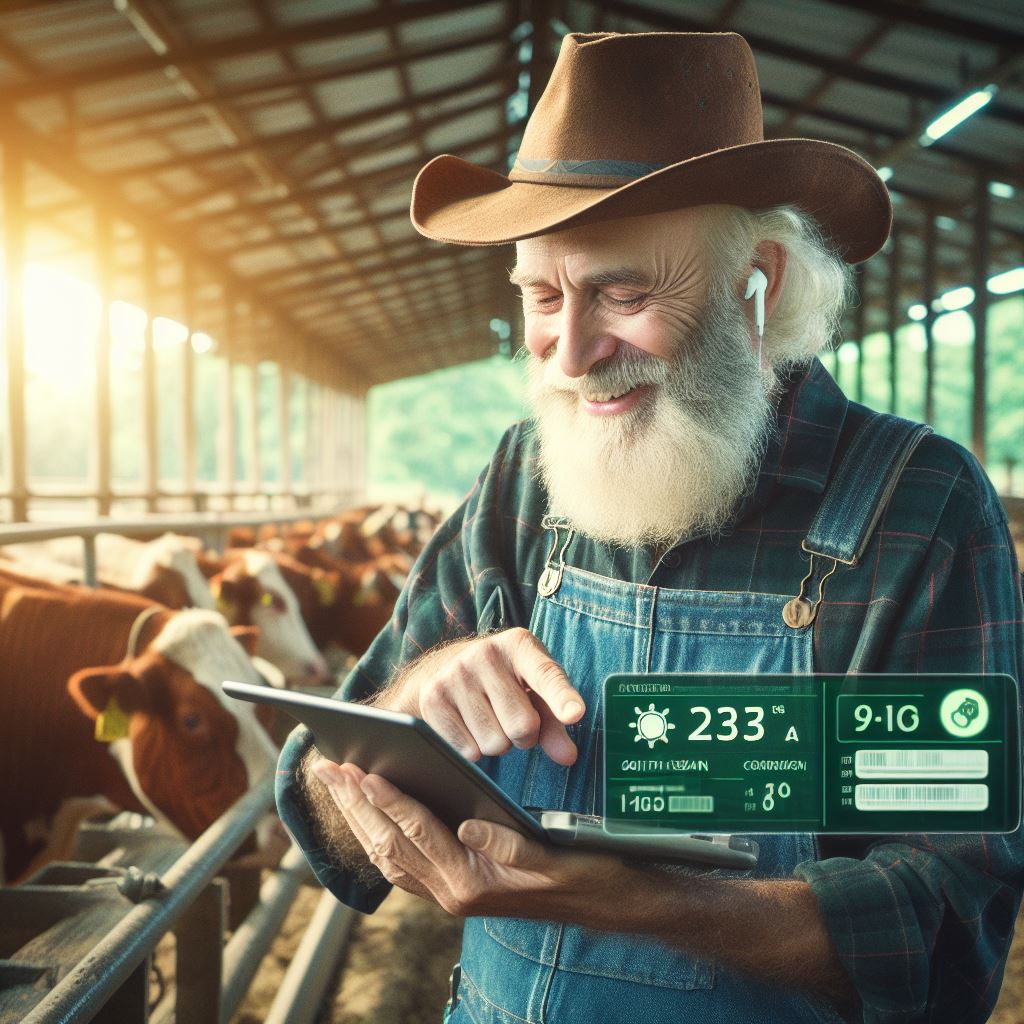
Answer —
650 518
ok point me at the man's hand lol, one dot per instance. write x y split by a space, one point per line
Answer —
489 693
488 870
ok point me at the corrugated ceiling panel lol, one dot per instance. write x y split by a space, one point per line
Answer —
354 94
454 26
341 49
439 71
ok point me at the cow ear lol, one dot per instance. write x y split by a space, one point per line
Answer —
93 688
247 636
326 585
223 591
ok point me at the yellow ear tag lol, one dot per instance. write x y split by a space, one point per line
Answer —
324 590
112 723
267 599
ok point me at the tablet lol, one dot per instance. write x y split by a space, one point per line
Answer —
407 752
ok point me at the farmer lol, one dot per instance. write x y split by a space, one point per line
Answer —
679 479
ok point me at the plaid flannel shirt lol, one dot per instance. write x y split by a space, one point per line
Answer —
922 923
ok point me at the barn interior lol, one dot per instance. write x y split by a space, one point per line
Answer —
205 238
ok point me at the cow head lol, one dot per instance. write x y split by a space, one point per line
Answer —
252 591
187 751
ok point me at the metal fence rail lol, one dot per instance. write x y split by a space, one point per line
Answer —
125 911
109 983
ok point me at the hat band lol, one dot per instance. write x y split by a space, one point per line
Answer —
582 173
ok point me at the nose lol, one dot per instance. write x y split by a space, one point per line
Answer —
583 339
316 671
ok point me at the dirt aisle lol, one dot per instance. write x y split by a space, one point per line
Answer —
396 969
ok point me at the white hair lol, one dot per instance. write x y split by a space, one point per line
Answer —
817 285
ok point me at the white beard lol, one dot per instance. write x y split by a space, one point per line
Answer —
679 462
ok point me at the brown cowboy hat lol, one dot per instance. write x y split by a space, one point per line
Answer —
642 123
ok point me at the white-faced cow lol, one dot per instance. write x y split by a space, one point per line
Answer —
171 744
250 591
164 570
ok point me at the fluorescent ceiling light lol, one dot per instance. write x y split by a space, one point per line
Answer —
1001 189
944 222
957 114
885 173
956 298
1007 282
918 311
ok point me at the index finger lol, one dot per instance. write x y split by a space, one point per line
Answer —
546 678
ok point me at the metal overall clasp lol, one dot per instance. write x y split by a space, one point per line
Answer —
551 578
800 612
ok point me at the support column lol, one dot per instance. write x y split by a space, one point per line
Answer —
930 243
860 327
104 250
227 404
982 259
151 471
189 389
284 387
15 219
893 313
255 460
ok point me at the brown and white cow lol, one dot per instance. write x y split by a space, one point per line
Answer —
178 748
164 569
345 605
250 591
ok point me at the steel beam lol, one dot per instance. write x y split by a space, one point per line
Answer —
151 471
979 311
198 54
14 280
189 379
860 319
893 318
928 298
104 256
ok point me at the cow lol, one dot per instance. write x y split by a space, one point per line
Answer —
346 605
164 569
112 697
250 591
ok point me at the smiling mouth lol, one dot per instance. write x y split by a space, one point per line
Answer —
608 396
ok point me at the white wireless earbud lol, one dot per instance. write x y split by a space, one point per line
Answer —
757 285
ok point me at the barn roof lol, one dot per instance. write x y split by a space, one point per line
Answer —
273 142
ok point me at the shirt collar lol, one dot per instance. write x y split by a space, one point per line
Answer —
808 422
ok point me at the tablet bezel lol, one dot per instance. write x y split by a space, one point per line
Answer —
469 792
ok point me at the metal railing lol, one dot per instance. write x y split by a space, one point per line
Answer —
211 528
130 907
110 982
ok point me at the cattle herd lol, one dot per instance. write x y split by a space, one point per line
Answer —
111 696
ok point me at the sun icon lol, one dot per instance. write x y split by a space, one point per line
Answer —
651 725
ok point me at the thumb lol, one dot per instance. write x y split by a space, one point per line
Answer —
498 843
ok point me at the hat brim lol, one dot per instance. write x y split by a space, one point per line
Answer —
458 202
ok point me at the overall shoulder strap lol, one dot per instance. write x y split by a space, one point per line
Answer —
853 504
862 486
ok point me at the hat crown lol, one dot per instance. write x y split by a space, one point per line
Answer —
643 99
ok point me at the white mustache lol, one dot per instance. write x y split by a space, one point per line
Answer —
617 376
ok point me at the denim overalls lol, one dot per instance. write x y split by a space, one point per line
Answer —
516 970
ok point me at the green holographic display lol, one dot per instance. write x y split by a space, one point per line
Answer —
816 753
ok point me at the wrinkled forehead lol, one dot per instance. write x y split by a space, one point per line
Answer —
631 240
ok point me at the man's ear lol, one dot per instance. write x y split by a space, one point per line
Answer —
92 689
770 257
247 636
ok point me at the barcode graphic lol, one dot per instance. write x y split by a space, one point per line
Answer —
692 804
920 796
922 764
